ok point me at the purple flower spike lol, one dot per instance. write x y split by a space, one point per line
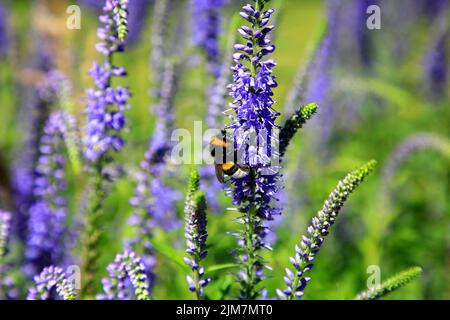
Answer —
127 279
4 36
196 235
106 105
207 28
47 281
46 227
310 244
154 201
254 121
436 65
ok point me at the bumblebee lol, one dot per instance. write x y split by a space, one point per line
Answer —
223 165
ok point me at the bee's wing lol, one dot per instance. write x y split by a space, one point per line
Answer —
219 173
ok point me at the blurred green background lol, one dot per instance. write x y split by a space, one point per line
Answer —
390 106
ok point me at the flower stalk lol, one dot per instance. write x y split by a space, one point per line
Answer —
126 267
46 238
311 243
196 236
105 122
254 135
49 280
392 284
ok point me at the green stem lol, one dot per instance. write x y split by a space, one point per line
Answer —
249 290
91 236
197 276
197 285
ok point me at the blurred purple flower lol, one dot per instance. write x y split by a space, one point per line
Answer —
363 41
152 195
93 4
207 23
35 113
138 17
436 67
319 89
4 32
432 8
154 201
46 226
159 40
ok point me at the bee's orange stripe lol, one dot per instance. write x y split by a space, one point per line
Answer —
218 142
227 166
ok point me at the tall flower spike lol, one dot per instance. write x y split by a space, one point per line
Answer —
196 235
254 121
311 243
46 227
36 113
206 18
154 201
126 270
47 281
137 17
105 112
159 39
320 80
399 280
106 105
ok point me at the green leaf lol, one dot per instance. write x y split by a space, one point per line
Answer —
171 254
220 267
